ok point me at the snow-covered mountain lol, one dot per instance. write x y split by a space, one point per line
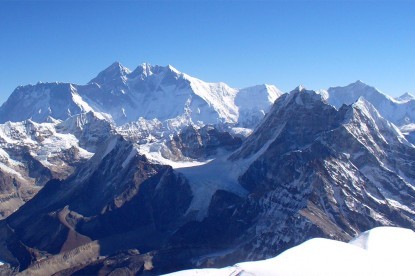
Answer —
313 170
149 92
254 102
159 92
382 251
308 170
31 154
399 111
152 171
43 101
406 97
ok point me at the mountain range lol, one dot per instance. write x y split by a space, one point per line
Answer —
151 171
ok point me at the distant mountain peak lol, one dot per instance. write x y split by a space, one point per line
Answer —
300 88
117 67
173 69
406 97
146 70
113 72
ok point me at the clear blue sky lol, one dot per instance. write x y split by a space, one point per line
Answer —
317 44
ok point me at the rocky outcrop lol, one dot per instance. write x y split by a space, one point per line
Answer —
32 154
201 143
315 172
120 204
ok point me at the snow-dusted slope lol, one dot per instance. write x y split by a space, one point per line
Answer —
162 93
159 92
91 129
148 92
398 111
406 97
30 155
41 101
254 102
382 251
310 171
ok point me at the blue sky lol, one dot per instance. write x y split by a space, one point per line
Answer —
286 43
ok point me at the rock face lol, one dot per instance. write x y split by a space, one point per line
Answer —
201 143
91 129
314 172
147 172
115 203
31 154
326 172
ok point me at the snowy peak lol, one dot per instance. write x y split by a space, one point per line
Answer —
150 92
399 112
147 70
301 96
299 88
254 102
350 93
292 112
113 73
405 97
41 101
144 70
359 83
366 124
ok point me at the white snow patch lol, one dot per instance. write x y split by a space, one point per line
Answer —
382 251
204 183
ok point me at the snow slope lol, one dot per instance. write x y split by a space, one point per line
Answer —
148 92
379 252
399 111
157 92
406 97
30 155
41 101
254 102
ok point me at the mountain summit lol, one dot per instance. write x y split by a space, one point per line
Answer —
152 170
398 112
148 92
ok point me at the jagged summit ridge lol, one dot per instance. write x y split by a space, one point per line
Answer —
406 97
307 170
123 96
43 100
114 72
399 112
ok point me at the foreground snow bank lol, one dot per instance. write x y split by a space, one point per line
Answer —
380 251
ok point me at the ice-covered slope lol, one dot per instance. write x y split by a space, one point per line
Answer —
406 97
162 93
159 92
382 251
399 112
254 102
149 92
41 101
